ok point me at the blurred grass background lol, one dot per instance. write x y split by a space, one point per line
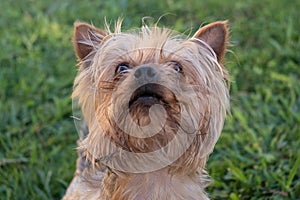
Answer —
258 154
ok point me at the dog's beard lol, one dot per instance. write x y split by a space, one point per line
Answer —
147 96
148 121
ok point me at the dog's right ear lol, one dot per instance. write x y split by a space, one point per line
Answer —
86 38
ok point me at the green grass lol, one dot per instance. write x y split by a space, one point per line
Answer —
258 154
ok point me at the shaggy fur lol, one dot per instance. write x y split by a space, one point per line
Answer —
154 103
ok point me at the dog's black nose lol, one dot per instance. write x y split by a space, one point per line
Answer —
145 73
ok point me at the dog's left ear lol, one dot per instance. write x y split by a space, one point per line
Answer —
216 36
86 38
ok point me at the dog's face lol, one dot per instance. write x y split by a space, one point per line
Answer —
152 90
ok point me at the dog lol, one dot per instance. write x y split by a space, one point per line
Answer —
154 103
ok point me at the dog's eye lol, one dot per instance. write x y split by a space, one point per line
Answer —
177 66
122 67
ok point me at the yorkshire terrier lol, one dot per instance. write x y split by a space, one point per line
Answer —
154 104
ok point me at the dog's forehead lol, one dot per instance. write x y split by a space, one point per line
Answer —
146 46
147 37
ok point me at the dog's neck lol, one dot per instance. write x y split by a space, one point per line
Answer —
153 185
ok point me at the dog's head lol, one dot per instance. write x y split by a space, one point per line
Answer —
152 92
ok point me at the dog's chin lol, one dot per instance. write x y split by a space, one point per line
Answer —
144 101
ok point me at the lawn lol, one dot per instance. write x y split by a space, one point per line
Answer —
258 154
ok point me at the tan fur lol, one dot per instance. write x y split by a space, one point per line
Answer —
113 164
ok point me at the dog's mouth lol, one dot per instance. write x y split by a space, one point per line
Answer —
148 95
140 103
